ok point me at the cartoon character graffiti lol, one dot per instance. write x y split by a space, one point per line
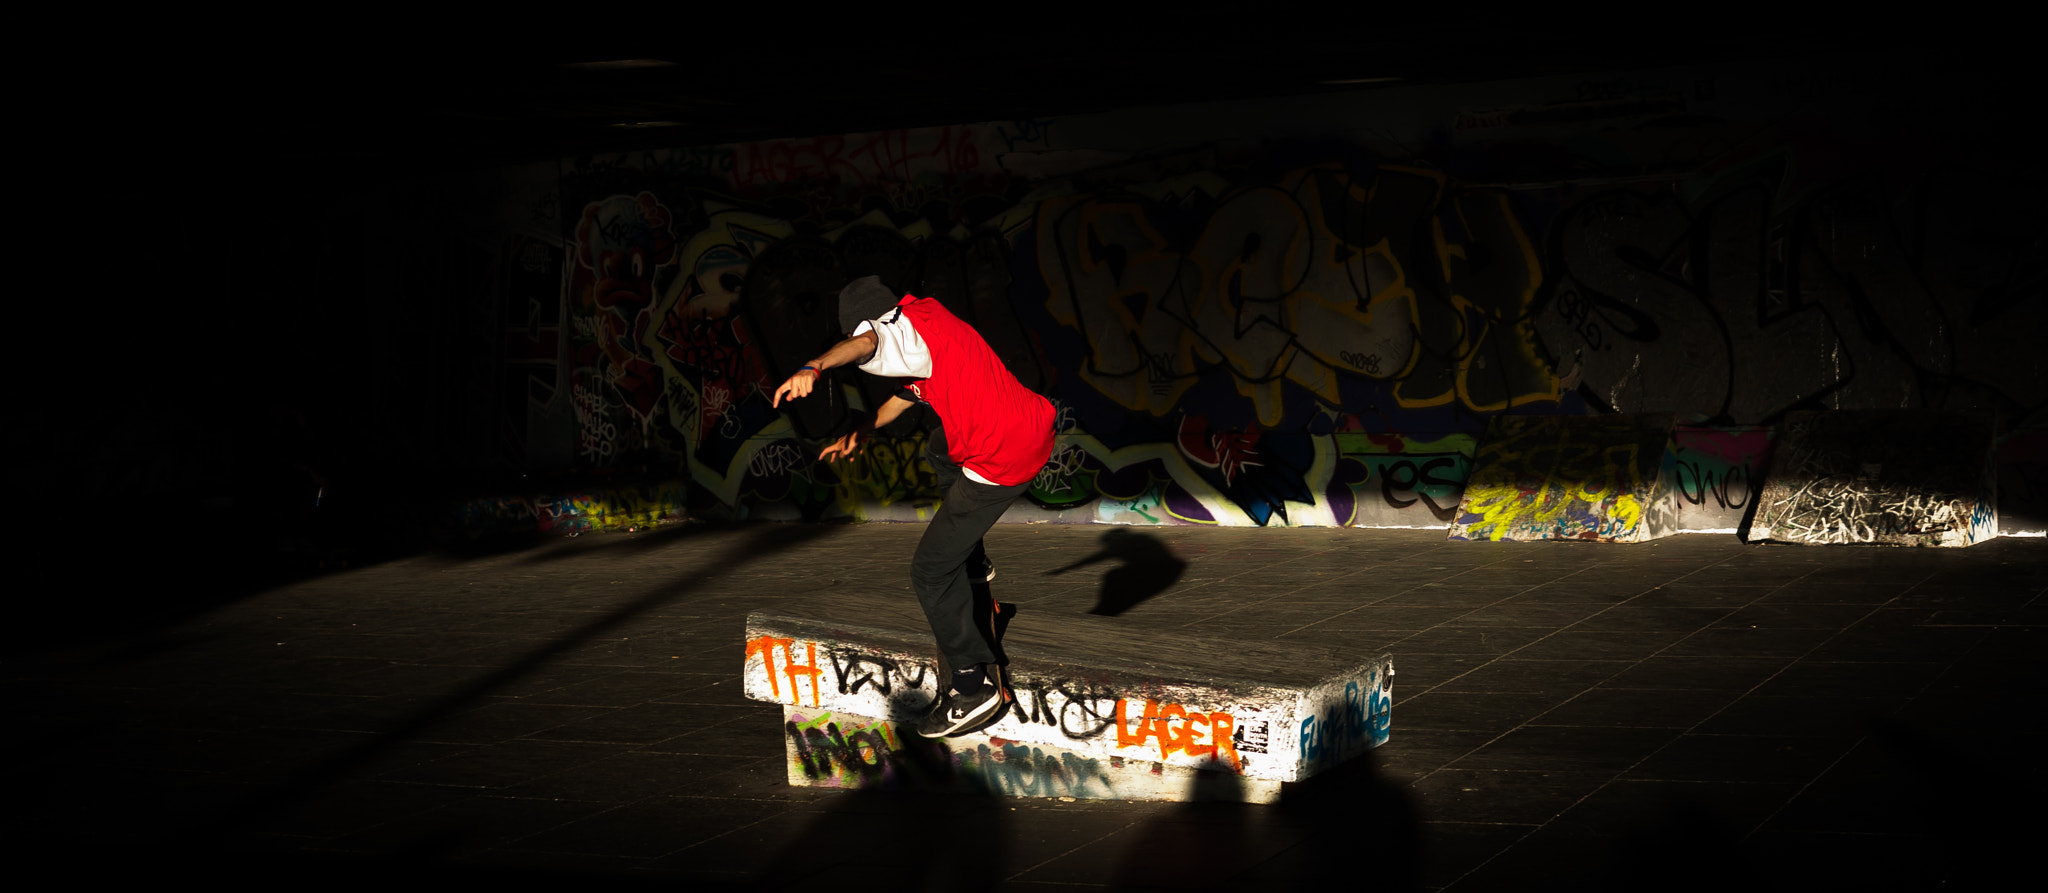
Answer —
622 243
702 334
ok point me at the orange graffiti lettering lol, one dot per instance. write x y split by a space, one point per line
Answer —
810 670
1193 744
766 645
1222 729
1175 730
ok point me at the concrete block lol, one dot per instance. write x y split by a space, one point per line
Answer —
1092 693
828 749
1709 479
563 511
1565 477
1893 477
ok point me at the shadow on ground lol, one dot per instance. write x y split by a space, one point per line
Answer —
1145 567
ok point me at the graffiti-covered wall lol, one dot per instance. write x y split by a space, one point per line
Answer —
1252 317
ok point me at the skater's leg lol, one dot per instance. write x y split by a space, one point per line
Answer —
939 569
974 690
945 473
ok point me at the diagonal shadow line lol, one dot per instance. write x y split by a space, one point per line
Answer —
764 542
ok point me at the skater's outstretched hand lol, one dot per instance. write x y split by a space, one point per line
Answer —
798 385
856 349
847 446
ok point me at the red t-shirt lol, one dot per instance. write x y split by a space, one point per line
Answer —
995 427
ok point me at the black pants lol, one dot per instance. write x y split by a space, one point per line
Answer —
939 569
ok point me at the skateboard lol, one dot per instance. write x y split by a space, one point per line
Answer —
994 618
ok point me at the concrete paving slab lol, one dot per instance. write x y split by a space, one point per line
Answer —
439 704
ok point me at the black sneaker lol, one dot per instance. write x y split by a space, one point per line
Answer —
958 714
983 572
998 677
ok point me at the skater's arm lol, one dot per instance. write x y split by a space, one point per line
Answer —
853 350
891 409
849 444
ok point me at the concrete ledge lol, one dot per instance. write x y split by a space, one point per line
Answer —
564 510
1889 477
1565 477
841 750
1088 689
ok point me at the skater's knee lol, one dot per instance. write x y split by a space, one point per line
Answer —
931 575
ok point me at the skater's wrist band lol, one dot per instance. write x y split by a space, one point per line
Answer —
812 368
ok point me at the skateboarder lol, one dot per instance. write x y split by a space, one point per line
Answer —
994 437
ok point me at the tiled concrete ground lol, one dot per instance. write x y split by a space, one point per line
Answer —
1687 714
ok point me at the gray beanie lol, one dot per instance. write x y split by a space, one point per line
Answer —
864 299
